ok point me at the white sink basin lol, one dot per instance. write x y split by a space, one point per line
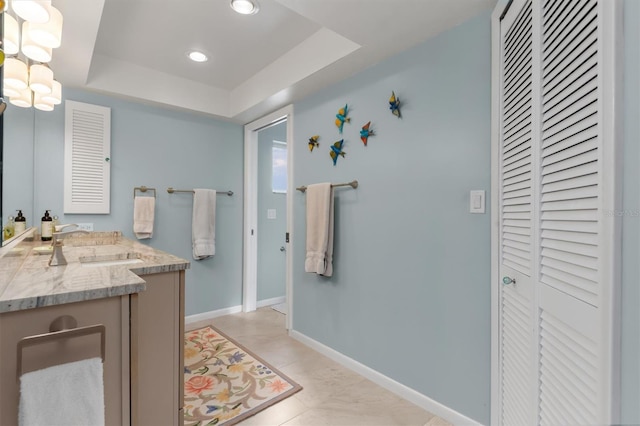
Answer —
92 264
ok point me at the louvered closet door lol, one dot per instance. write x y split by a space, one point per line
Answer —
517 357
573 360
556 322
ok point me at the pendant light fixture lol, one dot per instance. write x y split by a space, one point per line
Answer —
16 74
30 36
32 10
55 97
24 100
48 34
40 79
31 48
11 35
40 103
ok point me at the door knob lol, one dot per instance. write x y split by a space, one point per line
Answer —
507 280
282 248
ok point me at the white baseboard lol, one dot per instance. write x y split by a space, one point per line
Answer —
212 314
272 301
399 389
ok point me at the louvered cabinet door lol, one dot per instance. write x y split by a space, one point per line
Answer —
87 158
573 362
516 316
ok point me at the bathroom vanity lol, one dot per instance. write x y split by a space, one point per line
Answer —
135 291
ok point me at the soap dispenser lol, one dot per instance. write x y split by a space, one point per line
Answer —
46 227
20 223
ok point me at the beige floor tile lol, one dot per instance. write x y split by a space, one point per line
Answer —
438 421
332 394
277 414
376 401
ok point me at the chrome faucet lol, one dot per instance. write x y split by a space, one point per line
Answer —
57 257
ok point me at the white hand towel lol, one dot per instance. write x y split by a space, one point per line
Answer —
66 394
319 257
143 216
203 225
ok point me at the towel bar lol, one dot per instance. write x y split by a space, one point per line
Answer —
60 334
353 184
143 189
170 190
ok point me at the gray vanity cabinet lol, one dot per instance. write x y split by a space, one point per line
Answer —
157 344
111 312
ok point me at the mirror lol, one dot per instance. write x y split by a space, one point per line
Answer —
17 163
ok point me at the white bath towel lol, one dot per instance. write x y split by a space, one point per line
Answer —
319 257
203 225
143 216
66 394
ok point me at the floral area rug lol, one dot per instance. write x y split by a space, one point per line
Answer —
224 383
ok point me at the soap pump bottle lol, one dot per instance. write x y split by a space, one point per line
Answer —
46 227
20 223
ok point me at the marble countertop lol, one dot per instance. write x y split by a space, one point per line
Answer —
27 281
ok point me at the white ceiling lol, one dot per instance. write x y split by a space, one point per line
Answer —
290 49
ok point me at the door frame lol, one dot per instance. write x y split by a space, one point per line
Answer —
250 246
496 388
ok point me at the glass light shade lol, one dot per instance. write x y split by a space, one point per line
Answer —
245 7
55 97
8 92
48 34
16 75
24 100
31 48
32 10
11 35
40 79
41 104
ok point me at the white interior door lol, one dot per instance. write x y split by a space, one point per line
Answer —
557 323
250 246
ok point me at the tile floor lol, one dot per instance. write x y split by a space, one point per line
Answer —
332 394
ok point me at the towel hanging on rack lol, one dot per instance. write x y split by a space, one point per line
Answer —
143 216
65 394
319 258
203 226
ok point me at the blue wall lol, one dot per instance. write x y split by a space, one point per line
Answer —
158 148
271 261
410 295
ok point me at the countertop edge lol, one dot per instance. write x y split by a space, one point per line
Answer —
53 289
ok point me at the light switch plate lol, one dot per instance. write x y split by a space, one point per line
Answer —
271 213
476 201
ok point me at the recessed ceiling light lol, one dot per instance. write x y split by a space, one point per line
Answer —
196 56
245 7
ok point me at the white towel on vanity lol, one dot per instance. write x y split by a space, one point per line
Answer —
143 216
203 225
319 257
66 394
